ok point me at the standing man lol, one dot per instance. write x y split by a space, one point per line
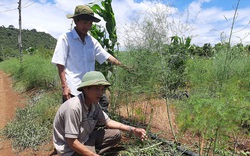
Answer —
74 132
76 52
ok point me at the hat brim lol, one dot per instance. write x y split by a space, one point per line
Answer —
86 17
93 83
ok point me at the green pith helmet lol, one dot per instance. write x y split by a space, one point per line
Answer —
84 12
93 78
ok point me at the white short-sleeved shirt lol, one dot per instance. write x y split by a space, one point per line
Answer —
73 120
77 57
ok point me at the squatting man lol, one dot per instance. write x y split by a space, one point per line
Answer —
74 131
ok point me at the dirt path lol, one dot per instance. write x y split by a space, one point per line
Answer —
9 101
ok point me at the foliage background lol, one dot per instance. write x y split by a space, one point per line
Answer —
31 40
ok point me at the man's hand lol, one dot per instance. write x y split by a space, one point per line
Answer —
139 132
127 68
66 93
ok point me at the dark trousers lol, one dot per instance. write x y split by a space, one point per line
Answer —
100 141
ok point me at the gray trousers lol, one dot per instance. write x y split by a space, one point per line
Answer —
102 140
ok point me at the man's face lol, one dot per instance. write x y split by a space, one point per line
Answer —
94 93
83 26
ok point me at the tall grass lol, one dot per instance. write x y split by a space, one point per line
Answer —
10 66
142 79
219 101
34 71
37 72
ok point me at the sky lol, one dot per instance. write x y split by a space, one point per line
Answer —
206 21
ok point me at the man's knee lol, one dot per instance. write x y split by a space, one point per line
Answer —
117 134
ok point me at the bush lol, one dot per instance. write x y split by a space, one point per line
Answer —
219 99
32 125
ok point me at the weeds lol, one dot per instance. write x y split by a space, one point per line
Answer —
149 148
34 72
214 109
32 125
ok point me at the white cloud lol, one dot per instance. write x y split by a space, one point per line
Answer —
50 17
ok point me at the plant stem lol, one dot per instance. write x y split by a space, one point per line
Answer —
209 146
201 142
235 144
150 119
169 119
215 140
151 146
230 36
234 19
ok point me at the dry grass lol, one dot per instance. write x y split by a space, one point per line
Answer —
157 110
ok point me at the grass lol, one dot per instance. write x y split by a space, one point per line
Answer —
10 66
34 72
149 148
32 125
218 102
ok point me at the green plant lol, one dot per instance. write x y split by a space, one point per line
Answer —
10 66
32 77
107 41
149 148
106 12
33 124
141 81
217 104
173 64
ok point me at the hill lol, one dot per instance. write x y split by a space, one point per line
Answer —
30 38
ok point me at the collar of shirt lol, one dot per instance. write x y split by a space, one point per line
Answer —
76 36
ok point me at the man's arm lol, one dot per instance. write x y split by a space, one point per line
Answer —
114 61
61 72
139 132
79 148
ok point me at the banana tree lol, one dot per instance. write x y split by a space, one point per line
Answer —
106 12
107 41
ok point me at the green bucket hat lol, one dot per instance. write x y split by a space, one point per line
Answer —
93 78
84 12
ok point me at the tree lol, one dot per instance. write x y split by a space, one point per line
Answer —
11 27
106 12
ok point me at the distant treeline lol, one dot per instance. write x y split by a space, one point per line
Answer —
31 40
